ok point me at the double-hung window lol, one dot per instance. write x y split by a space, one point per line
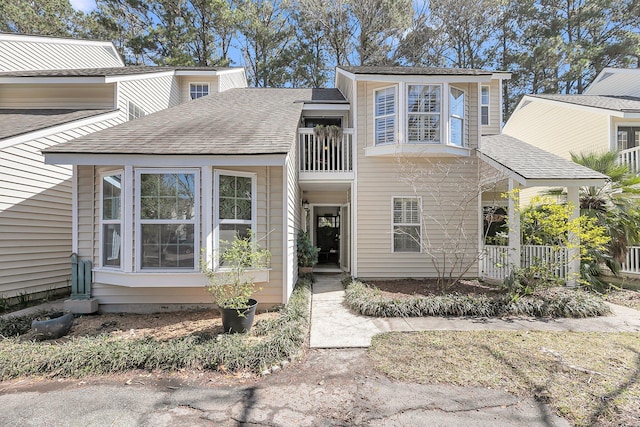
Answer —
423 113
235 206
385 116
484 105
456 117
111 220
407 230
198 90
628 137
167 219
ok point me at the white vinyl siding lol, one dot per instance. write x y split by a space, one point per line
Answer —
424 109
406 230
148 95
56 96
232 80
385 116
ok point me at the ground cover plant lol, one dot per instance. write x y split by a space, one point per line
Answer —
416 298
588 378
271 341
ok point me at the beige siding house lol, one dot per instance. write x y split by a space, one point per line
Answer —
387 172
52 91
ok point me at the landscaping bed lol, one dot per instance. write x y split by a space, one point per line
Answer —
103 344
417 298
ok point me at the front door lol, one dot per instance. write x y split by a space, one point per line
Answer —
328 236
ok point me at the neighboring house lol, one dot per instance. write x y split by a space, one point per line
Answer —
53 90
151 193
605 117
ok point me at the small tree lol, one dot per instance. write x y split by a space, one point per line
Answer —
231 285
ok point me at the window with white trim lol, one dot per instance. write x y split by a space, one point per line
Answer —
134 111
628 137
167 211
484 105
456 117
407 230
424 106
198 90
111 220
385 116
235 206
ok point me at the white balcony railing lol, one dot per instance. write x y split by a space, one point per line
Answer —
325 154
630 158
495 263
632 263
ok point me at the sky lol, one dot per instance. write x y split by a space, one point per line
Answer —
83 5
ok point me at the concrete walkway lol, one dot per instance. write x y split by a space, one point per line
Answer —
334 325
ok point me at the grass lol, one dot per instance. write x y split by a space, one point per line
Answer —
562 303
588 378
268 344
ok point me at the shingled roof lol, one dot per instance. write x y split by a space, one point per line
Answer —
533 163
104 72
245 121
15 122
627 104
423 71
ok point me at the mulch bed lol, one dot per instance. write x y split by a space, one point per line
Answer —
404 288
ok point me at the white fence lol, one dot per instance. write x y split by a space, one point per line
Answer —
325 153
632 263
631 158
495 264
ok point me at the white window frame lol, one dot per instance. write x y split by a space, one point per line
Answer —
443 107
462 118
134 111
104 222
393 115
617 130
394 224
484 105
216 208
202 84
139 221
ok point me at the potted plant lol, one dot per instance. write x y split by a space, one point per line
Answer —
231 286
307 253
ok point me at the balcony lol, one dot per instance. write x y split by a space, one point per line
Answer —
325 157
630 158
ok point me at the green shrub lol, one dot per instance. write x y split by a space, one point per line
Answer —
562 303
283 338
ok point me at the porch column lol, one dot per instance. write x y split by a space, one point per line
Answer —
573 197
513 258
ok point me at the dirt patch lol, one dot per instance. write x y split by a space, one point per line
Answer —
404 288
625 297
159 326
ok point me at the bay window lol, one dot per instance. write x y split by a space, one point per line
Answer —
167 219
111 220
456 117
407 230
385 116
423 113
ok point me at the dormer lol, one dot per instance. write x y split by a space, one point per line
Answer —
432 111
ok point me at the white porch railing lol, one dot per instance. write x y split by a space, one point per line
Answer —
631 158
632 263
495 265
325 154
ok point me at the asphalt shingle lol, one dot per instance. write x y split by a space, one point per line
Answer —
422 71
532 162
235 122
104 72
608 102
14 122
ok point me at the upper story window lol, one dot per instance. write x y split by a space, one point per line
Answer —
167 219
628 137
111 220
385 116
423 113
135 112
456 117
484 105
197 90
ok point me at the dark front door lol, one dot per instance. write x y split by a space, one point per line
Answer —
328 238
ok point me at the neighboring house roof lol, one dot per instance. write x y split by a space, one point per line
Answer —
14 122
424 71
107 72
532 164
626 104
616 81
245 121
27 52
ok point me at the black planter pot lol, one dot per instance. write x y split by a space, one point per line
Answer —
52 326
238 320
